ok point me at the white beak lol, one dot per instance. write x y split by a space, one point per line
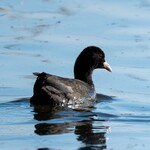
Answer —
107 66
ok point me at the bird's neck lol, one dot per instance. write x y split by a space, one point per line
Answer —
84 74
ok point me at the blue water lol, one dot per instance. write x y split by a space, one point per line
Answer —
48 35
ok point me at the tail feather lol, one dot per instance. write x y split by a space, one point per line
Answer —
43 74
36 73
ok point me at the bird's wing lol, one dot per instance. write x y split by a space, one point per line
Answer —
56 88
60 89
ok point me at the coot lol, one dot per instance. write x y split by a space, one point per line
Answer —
75 93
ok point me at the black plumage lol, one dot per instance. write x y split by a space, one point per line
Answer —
78 92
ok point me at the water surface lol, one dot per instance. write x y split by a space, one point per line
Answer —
48 35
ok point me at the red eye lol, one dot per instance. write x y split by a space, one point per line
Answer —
101 56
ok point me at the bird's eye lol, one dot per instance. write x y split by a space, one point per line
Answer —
101 56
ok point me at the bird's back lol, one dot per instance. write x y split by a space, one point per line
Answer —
55 90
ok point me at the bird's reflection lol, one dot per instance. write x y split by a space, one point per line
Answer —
46 112
87 135
43 149
93 138
49 129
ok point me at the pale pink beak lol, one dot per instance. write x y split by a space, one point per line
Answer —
107 66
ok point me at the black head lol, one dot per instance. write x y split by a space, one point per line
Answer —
89 59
